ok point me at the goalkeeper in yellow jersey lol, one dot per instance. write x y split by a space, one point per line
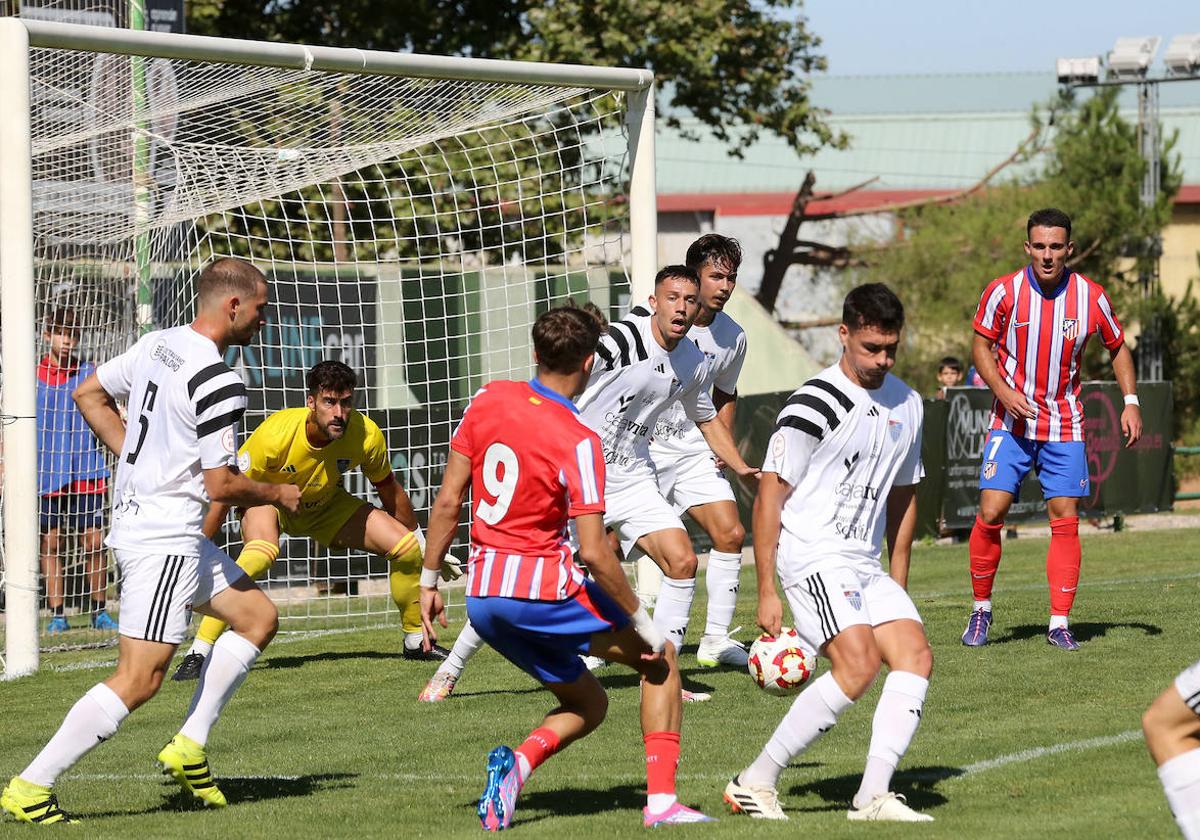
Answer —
312 447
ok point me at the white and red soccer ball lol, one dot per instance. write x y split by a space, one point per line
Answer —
780 664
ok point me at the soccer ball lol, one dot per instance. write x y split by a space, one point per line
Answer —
780 664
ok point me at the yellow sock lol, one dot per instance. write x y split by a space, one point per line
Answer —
256 558
404 563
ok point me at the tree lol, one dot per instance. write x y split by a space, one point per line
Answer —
946 254
738 66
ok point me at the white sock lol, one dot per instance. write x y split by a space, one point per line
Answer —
465 646
812 714
94 718
983 605
649 581
895 723
721 578
673 608
231 659
656 803
414 641
524 768
1057 621
1180 779
201 647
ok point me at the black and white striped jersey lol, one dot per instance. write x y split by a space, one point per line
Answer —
183 407
633 381
723 344
842 448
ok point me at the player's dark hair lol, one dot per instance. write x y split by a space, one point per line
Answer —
873 305
1048 217
330 377
61 319
564 337
951 362
715 250
226 276
672 272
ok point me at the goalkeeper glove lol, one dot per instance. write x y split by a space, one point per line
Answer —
452 568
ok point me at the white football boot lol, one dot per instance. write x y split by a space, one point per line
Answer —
887 807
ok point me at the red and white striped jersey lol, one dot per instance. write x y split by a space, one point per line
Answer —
1039 343
534 466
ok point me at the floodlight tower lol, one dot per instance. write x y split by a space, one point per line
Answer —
1129 64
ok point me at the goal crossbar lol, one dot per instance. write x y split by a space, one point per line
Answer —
70 36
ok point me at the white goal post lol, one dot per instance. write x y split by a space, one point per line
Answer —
414 214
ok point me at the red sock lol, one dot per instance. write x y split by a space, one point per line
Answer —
1062 564
539 745
662 759
984 548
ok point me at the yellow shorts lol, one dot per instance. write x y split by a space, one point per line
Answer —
322 523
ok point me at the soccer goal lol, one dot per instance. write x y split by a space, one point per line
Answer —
414 214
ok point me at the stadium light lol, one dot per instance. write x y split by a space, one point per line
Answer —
1130 57
1078 70
1183 55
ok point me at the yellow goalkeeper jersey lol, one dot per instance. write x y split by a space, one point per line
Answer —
278 452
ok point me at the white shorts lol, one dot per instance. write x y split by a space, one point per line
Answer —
692 480
1188 686
158 591
636 509
827 602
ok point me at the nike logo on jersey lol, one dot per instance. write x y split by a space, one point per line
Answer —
1021 324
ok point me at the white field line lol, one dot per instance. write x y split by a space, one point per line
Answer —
1054 749
298 635
978 767
283 638
1083 584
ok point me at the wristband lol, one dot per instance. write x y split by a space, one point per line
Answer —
645 628
429 578
1132 399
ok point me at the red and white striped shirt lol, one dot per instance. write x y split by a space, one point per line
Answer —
1039 343
534 466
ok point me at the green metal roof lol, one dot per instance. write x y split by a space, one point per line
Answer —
912 131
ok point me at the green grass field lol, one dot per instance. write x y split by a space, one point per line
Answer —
326 737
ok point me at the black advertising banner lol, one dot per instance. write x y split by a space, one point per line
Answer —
1137 480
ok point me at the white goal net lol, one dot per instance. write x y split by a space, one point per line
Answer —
411 226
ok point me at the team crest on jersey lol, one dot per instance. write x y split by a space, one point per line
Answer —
228 442
989 470
244 461
895 427
343 464
854 597
1070 329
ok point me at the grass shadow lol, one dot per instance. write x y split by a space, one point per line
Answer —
538 805
1084 631
917 785
241 790
330 656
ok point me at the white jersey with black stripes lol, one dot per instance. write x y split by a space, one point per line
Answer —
183 405
634 380
723 344
842 448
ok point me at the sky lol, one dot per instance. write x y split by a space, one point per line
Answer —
869 37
